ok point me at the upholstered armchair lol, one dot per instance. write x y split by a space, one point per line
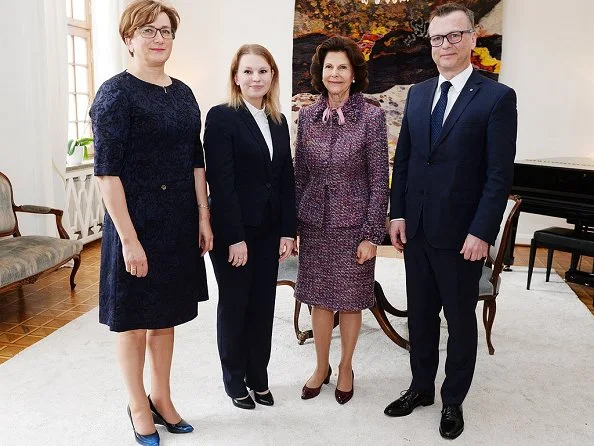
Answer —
24 259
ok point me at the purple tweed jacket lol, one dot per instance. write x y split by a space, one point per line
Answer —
342 170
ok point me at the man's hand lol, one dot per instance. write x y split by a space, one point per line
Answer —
398 234
285 248
474 248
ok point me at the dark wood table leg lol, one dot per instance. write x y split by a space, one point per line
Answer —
379 311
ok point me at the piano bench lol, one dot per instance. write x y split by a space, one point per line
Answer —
578 243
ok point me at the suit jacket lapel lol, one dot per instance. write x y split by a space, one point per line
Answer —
466 95
426 104
256 133
276 131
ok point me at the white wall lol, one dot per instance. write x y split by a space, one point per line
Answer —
549 61
211 31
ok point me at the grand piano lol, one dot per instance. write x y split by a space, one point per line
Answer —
558 187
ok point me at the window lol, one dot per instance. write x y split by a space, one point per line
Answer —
80 67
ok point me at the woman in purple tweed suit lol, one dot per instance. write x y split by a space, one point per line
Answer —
341 176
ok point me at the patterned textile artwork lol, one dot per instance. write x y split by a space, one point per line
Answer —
392 35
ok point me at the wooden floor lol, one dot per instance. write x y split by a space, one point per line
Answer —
49 304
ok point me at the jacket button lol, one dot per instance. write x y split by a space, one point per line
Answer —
163 186
268 185
428 163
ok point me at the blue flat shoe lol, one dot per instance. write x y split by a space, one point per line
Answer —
146 440
180 427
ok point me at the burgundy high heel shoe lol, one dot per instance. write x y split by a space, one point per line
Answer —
344 397
309 392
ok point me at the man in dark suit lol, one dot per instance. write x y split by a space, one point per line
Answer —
452 174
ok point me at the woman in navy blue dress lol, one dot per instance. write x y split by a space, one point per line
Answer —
149 165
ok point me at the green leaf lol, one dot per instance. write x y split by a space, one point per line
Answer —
71 146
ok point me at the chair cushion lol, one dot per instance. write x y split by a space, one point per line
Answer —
287 270
22 257
565 238
485 286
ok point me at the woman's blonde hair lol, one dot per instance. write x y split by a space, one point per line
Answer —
271 99
143 12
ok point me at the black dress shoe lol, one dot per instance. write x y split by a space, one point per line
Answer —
181 427
452 422
407 402
265 399
244 403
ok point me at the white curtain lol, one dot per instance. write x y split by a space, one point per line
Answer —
34 102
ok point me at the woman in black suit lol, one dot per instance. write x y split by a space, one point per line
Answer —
252 191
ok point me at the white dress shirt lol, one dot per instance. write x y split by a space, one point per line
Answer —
262 121
458 82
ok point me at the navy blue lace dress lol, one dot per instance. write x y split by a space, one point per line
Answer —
149 136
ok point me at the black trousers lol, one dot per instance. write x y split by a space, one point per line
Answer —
437 278
245 310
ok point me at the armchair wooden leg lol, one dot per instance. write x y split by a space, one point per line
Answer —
489 309
302 336
74 271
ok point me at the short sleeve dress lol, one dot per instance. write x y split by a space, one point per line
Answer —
149 136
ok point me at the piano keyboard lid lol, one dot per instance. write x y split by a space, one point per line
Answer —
581 163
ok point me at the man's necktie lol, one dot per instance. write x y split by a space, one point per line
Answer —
439 112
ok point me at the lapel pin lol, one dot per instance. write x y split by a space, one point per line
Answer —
472 89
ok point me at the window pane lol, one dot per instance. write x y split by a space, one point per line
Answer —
69 47
72 130
82 80
68 8
71 107
82 106
71 84
79 10
84 129
80 50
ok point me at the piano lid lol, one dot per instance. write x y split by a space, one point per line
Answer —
580 163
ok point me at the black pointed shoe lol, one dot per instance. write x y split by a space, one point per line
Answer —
265 399
407 402
145 440
181 427
244 403
452 422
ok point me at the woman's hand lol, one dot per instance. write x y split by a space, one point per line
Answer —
205 237
135 258
285 248
238 254
365 251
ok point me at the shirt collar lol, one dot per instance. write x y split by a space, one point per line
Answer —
458 81
253 110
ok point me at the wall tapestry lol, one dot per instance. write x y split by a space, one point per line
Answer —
392 35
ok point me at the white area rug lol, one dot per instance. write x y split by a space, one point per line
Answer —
537 389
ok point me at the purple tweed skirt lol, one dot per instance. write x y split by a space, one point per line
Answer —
329 275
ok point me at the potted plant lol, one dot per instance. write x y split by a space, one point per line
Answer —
77 150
